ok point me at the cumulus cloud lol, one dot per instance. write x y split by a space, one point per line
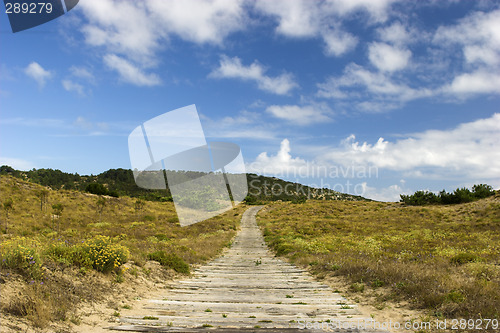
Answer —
478 82
279 164
69 85
390 193
122 27
479 31
38 73
199 21
466 154
387 57
233 68
375 86
378 11
338 42
478 36
396 34
300 115
129 72
469 150
135 31
313 19
296 18
139 28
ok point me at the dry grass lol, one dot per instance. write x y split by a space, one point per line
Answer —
442 258
51 240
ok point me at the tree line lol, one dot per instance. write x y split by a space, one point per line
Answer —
460 195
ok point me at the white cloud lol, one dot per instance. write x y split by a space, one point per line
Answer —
469 150
129 72
378 87
478 82
378 10
300 115
243 125
199 21
280 164
478 36
466 154
242 118
138 29
133 32
476 32
296 18
82 73
17 163
396 33
122 27
338 42
313 19
69 85
388 58
38 73
389 194
234 69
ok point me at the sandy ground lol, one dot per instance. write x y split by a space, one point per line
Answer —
123 298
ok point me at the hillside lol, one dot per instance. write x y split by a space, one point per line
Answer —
444 259
97 247
120 182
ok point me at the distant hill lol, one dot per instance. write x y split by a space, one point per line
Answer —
119 182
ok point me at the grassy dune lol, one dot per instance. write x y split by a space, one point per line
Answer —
90 241
442 258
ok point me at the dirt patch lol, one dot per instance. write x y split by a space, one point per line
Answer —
68 300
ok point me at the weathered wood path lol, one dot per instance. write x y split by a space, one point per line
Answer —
249 290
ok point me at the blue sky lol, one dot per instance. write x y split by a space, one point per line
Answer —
369 97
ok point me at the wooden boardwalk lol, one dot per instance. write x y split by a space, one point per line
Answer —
247 290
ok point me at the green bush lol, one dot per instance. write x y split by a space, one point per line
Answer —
59 252
482 191
100 253
420 198
463 258
252 200
463 195
96 188
170 260
22 254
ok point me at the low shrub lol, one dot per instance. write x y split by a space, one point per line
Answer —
464 258
22 254
100 253
59 252
170 260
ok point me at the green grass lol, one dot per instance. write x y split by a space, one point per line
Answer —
170 260
150 318
442 258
